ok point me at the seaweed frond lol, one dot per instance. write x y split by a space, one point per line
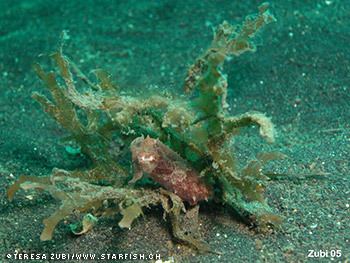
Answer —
103 121
206 76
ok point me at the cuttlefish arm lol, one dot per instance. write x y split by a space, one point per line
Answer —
137 172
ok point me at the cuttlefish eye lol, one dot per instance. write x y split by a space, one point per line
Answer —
137 143
146 158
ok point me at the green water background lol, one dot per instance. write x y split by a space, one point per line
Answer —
299 76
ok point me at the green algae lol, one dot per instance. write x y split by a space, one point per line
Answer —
198 127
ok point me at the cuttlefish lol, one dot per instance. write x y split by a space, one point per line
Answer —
167 168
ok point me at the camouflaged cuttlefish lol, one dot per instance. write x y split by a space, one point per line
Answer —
167 168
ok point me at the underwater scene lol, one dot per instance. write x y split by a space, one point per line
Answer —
174 131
